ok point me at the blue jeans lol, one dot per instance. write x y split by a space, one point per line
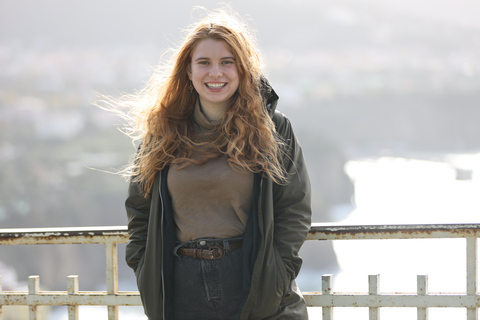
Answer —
208 289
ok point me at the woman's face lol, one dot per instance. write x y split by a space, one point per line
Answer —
214 74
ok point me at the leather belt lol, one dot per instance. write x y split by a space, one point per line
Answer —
211 253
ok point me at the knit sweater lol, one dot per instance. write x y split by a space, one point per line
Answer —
210 200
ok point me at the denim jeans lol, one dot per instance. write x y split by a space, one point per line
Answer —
208 289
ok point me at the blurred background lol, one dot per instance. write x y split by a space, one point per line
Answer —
383 95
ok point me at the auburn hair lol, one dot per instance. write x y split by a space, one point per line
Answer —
246 134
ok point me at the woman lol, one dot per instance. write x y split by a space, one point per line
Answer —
219 199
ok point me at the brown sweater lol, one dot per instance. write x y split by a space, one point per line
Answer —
210 200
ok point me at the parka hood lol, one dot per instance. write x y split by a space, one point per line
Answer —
269 95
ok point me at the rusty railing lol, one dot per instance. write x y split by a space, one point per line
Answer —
73 298
374 299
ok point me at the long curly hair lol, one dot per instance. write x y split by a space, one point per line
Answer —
245 135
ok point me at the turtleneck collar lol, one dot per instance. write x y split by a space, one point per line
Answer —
201 119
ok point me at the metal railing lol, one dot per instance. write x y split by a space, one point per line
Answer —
73 298
421 300
374 299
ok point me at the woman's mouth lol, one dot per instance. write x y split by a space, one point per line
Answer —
215 85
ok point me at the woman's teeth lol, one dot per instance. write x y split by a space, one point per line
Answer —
216 85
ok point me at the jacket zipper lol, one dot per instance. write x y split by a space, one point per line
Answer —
161 236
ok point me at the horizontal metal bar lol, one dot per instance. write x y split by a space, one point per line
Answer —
392 300
313 299
87 235
75 231
414 231
87 239
83 298
317 232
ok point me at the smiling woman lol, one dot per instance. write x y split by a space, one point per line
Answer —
214 75
219 198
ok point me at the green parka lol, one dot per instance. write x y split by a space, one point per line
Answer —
275 231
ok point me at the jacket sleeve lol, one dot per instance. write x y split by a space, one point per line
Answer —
138 210
292 200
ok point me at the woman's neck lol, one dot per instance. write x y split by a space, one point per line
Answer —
212 112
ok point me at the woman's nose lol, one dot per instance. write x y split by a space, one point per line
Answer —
216 71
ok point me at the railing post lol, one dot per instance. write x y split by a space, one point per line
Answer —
422 290
1 317
327 312
33 289
472 274
112 276
72 288
373 290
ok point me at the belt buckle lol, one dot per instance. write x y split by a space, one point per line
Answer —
214 253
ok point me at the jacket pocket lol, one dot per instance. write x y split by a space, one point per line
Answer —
273 286
139 273
283 278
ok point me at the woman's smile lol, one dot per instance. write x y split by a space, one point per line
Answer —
216 85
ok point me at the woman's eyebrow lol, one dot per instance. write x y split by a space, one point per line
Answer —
224 58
